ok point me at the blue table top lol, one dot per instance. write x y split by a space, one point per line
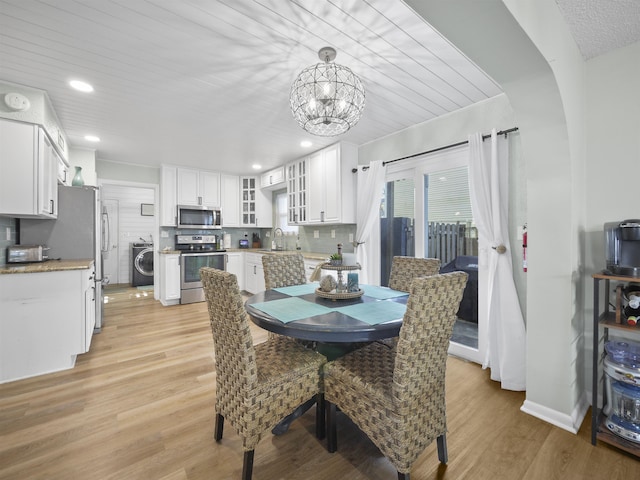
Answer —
297 312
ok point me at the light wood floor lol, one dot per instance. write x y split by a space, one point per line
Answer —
139 405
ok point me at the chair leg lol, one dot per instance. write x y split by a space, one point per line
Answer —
247 465
320 417
332 437
403 476
219 427
443 456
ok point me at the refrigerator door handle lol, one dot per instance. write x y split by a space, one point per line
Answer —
106 231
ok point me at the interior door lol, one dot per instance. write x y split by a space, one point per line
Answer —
110 235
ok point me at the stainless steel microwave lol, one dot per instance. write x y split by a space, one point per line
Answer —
200 217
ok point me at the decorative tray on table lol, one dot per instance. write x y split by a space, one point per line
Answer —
339 296
333 295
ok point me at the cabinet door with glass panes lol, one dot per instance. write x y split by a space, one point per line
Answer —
248 200
297 192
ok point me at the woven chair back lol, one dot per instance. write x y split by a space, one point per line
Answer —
283 270
405 269
420 363
232 341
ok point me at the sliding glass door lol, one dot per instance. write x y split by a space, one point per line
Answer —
426 212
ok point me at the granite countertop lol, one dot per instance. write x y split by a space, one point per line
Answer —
48 266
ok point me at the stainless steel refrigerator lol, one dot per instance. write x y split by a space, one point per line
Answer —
75 234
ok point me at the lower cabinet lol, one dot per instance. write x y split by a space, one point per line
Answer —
47 320
254 273
169 279
235 265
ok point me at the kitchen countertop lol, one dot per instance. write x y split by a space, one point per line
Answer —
308 255
48 266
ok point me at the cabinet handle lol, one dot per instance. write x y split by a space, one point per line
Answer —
254 270
322 216
199 200
51 207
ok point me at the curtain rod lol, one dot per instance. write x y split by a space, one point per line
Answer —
484 137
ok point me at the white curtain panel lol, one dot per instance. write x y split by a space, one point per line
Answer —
488 184
369 187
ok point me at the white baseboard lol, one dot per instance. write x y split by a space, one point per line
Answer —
570 423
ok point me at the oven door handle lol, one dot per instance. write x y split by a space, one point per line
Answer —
203 254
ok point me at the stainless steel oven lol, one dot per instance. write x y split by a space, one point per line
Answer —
197 251
190 265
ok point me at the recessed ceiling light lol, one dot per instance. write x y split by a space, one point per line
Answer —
255 166
81 86
92 138
305 143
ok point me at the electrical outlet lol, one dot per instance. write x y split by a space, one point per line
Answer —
164 234
351 238
8 233
267 234
333 234
316 234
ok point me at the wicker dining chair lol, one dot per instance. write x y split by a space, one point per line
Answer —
256 386
283 270
397 396
405 269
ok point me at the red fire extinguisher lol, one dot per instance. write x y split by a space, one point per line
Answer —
524 249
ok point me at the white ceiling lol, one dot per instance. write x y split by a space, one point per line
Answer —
206 83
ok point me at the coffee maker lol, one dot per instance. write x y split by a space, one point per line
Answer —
622 244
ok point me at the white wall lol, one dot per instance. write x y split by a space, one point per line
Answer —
527 49
613 158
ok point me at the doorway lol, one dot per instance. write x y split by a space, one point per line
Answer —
426 212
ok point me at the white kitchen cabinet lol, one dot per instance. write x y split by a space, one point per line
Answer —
63 171
230 200
28 171
254 273
255 204
198 187
296 177
169 278
331 185
47 320
168 196
236 265
273 179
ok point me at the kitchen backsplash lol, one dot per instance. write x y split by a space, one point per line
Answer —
7 229
325 243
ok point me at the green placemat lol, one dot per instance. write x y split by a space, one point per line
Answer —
381 293
298 290
289 309
374 313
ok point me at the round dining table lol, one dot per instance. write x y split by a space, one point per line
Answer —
334 326
307 316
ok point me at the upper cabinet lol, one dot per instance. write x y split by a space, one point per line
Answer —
323 187
198 187
28 171
296 179
168 197
230 200
255 204
273 179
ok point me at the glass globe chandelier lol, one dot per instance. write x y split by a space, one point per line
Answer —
327 99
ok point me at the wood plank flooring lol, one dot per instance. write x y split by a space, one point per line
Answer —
139 405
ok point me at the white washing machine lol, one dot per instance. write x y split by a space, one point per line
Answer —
141 264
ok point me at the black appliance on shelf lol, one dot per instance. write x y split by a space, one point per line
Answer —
469 305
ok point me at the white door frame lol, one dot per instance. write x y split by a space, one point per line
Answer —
418 168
